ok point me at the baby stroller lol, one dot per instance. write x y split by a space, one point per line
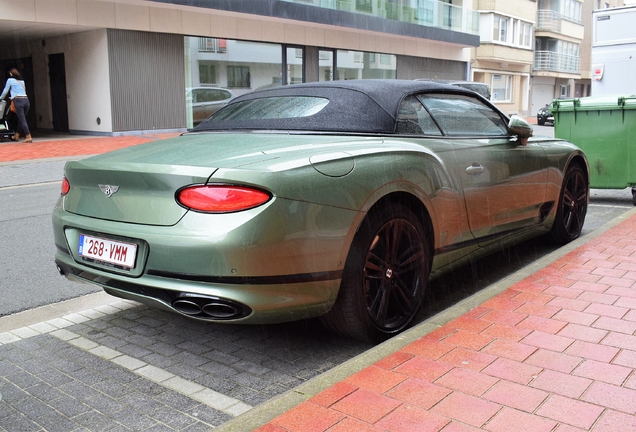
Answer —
5 130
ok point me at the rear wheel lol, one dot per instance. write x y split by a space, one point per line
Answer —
572 206
384 278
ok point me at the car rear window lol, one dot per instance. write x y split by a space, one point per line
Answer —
272 108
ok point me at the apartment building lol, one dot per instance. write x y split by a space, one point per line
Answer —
109 67
504 57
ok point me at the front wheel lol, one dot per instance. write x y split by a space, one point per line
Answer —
572 206
385 276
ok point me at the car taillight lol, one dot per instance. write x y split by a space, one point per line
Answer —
221 198
66 186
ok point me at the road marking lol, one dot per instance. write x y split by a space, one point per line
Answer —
57 327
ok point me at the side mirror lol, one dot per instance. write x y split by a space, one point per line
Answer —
521 128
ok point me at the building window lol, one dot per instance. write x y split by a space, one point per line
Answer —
238 76
500 28
501 88
207 74
525 34
212 45
364 6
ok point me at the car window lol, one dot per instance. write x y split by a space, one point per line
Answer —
272 108
462 115
413 119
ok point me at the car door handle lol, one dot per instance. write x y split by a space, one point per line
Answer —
474 169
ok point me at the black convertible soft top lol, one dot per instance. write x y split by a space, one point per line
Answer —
355 106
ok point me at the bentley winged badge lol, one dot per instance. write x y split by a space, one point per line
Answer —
108 189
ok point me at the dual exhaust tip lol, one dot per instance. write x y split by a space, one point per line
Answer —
199 305
209 307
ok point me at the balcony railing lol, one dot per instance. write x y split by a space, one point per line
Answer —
555 62
549 20
430 13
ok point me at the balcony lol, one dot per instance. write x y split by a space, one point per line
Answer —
554 22
555 62
431 13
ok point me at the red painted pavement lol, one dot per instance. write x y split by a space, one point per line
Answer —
42 148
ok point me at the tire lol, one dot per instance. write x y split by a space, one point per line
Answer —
385 277
634 196
540 122
572 206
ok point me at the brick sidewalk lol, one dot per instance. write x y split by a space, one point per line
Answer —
555 352
42 148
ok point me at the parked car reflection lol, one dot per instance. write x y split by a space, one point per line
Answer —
206 101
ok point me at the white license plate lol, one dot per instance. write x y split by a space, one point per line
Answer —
108 251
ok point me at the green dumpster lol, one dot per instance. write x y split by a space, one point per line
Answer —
604 127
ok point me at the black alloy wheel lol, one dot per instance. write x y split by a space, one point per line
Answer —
385 277
572 209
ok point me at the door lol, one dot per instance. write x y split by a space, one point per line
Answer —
57 80
504 183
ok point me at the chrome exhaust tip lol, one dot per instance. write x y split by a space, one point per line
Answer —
209 307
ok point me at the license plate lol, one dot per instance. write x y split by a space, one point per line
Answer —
107 251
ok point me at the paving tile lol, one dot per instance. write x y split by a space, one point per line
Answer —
583 333
423 368
468 324
459 427
468 340
570 411
626 358
308 417
513 371
542 324
548 341
428 348
465 408
617 325
333 394
552 360
590 287
412 419
592 351
419 393
503 331
532 297
503 302
620 340
607 395
467 381
600 298
615 281
628 293
503 317
375 379
570 303
606 310
576 317
538 310
347 424
613 421
468 359
613 272
561 383
509 349
561 293
599 371
394 360
513 420
517 396
366 405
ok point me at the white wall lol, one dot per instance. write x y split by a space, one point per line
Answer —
87 79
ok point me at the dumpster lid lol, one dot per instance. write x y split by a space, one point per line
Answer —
595 103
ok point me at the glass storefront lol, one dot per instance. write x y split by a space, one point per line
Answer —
238 67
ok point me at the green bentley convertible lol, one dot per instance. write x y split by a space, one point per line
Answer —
339 200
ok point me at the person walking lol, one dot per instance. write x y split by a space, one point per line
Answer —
21 102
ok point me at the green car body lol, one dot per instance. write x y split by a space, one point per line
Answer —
286 258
